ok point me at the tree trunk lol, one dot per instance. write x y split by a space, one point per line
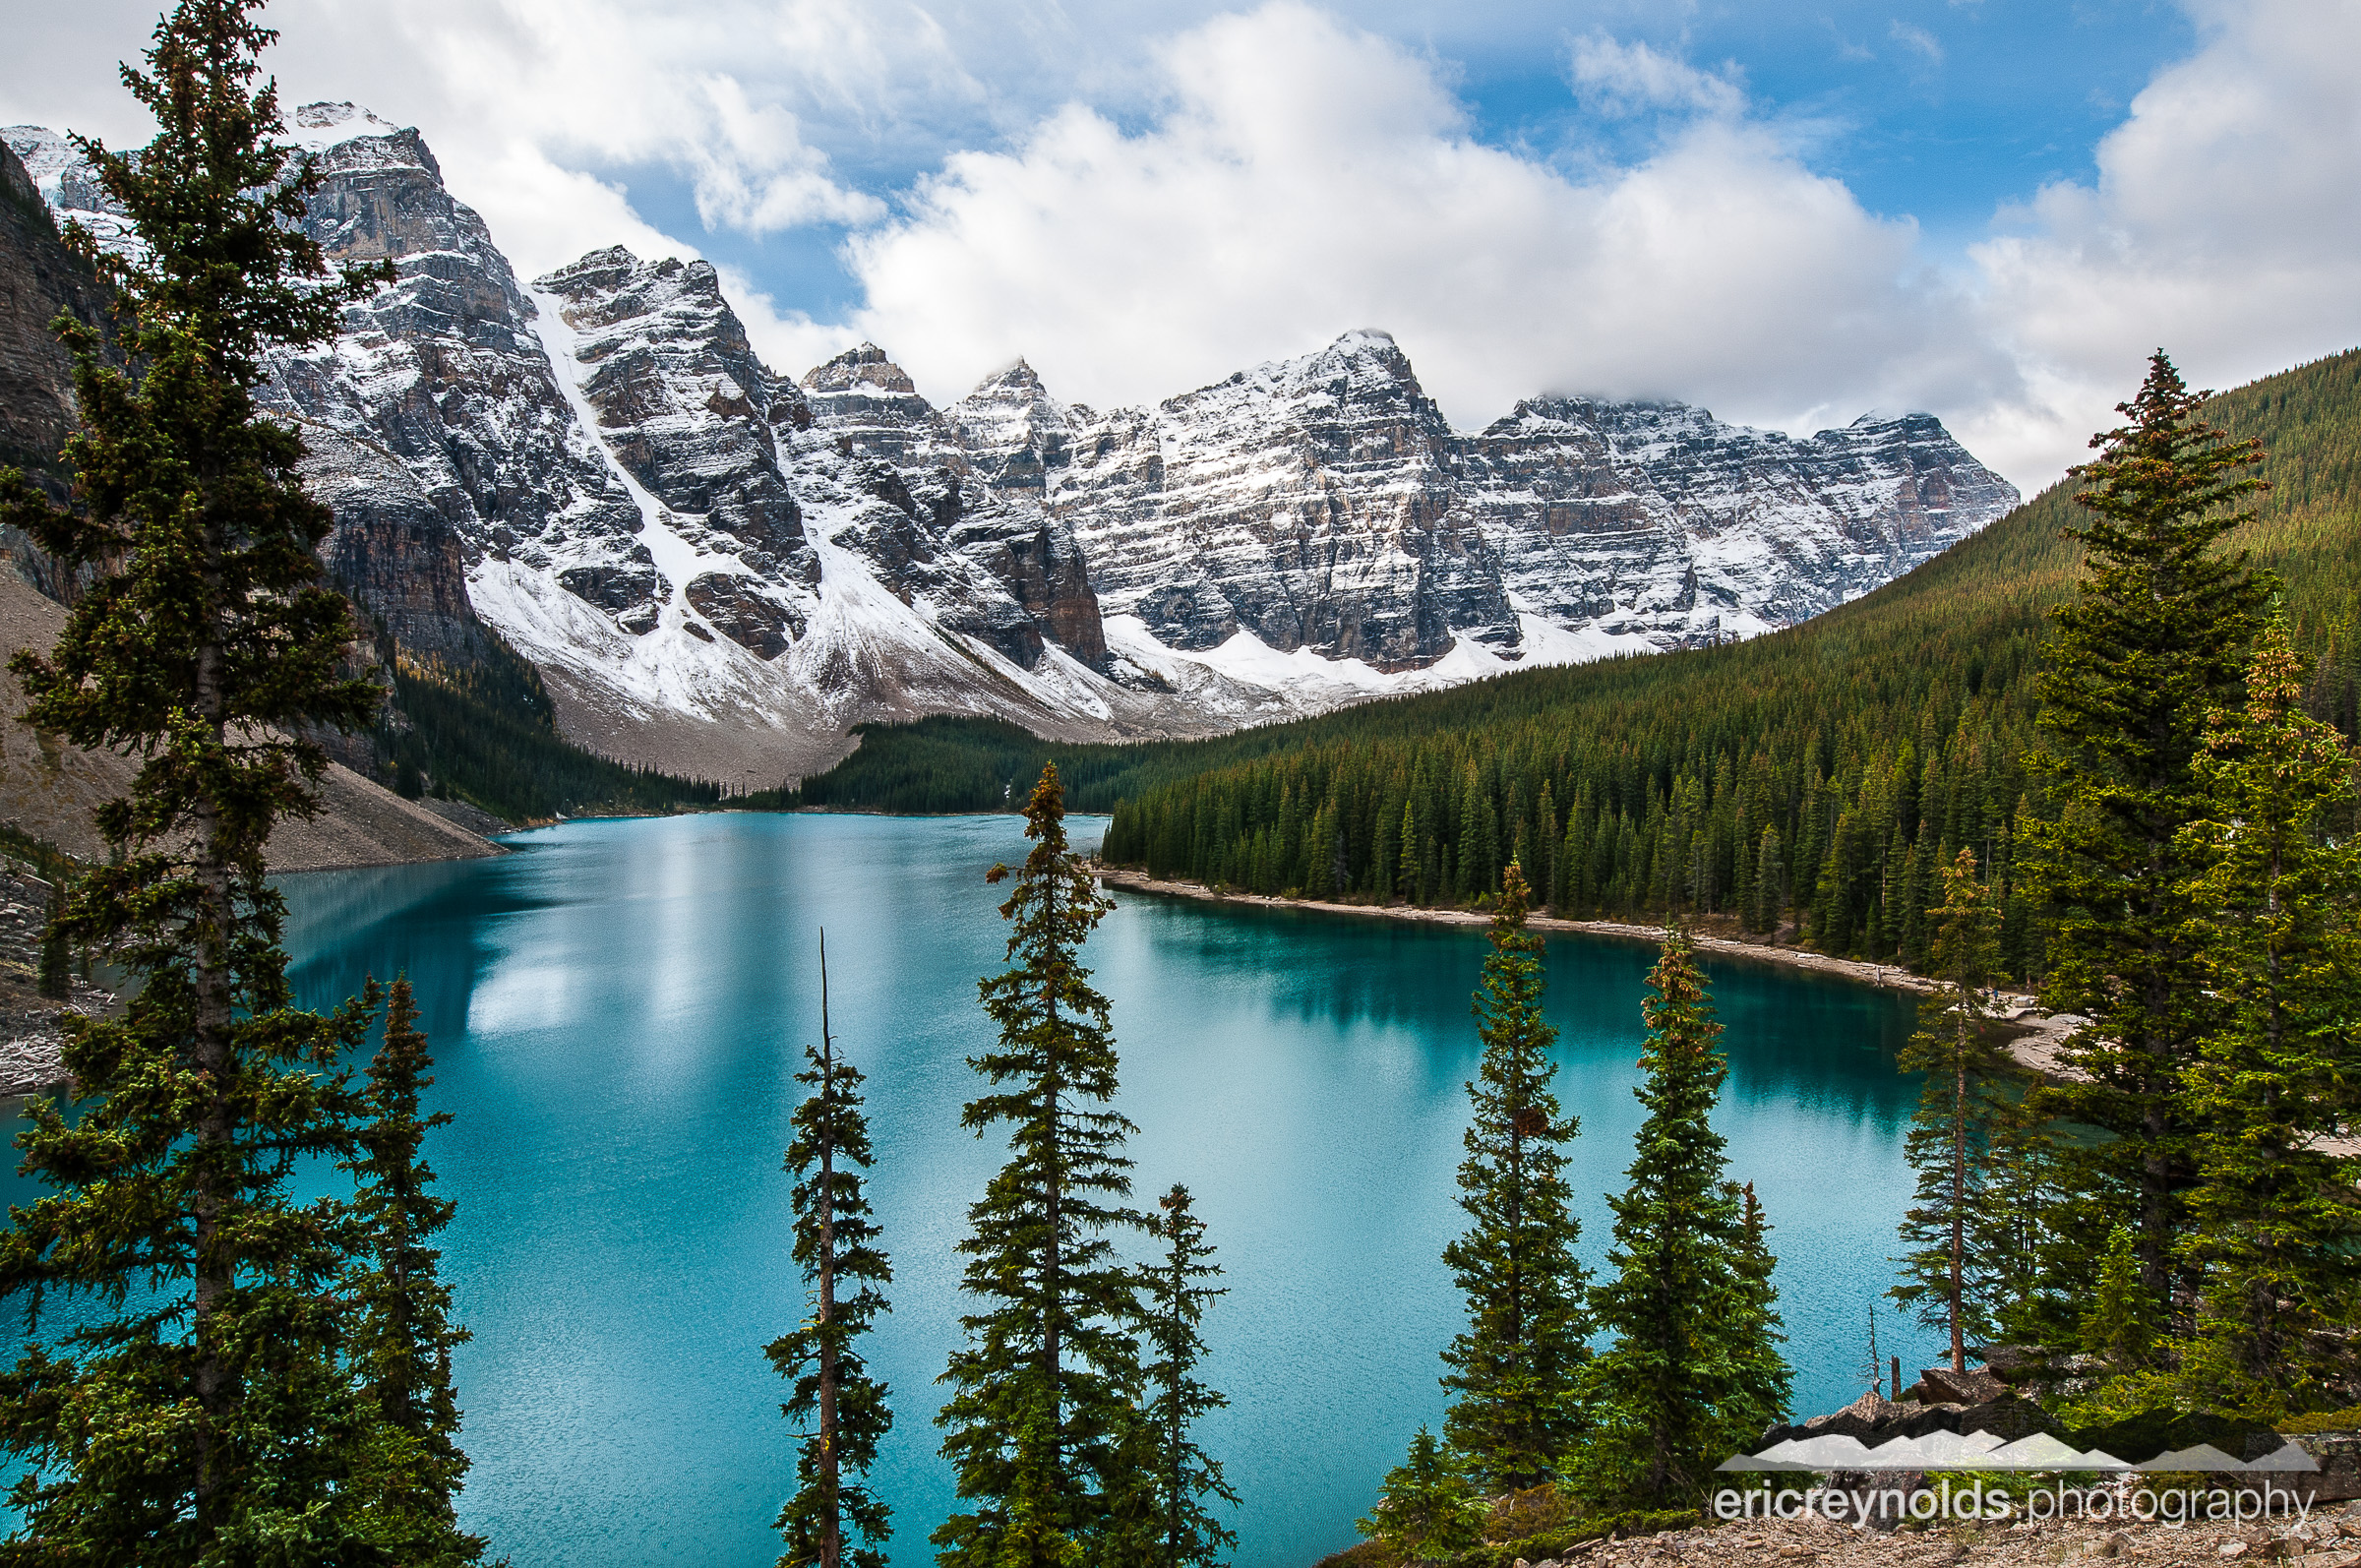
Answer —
832 1531
1959 1189
1053 1282
210 1053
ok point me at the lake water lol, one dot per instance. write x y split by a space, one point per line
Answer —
617 1009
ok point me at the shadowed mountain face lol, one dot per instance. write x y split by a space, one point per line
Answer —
39 280
720 569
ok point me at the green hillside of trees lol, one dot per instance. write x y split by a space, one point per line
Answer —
1821 774
484 732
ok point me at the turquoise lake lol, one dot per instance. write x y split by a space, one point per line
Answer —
618 1007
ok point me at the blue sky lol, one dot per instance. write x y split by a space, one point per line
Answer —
1790 212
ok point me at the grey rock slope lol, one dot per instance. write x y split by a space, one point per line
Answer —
720 569
1659 519
1312 503
1324 503
39 279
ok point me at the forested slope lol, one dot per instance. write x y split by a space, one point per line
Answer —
482 731
1821 773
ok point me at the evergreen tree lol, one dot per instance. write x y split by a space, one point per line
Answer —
1179 1474
1770 883
2123 1322
215 1421
1516 1366
1427 1511
2274 1221
56 979
1693 1372
1040 1403
1407 878
402 1347
2150 643
840 1406
1755 1323
1969 1082
2035 1274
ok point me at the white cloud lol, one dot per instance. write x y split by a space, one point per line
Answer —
1623 79
1309 178
538 109
1916 40
753 173
2223 227
519 96
1219 191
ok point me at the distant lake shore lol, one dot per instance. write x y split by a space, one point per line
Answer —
2036 1048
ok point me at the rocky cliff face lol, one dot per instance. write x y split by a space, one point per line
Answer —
444 374
1311 503
681 401
392 549
1025 583
1658 520
1323 502
719 569
39 278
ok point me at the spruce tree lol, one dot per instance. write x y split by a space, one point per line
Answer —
400 1348
841 1410
1755 1321
1175 1476
1516 1367
56 976
1040 1405
1693 1372
2275 1223
2152 640
216 1419
2122 1324
1427 1510
1969 1088
2032 1269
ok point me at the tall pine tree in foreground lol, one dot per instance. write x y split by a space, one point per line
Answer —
1967 1096
1516 1367
840 1408
2275 1225
1694 1371
1177 1475
211 1417
402 1347
1040 1412
2151 643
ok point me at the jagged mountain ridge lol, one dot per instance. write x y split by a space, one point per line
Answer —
719 570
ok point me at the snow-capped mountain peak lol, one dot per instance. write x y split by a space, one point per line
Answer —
320 126
720 569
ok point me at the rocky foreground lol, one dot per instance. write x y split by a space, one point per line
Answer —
2324 1540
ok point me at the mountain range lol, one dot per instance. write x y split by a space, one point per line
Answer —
719 570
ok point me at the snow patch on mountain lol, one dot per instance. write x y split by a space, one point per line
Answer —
721 570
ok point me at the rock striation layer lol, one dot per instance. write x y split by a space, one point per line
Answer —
720 569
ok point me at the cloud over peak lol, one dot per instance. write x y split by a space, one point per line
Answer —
1306 177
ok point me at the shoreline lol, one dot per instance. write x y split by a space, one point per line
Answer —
2039 1038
